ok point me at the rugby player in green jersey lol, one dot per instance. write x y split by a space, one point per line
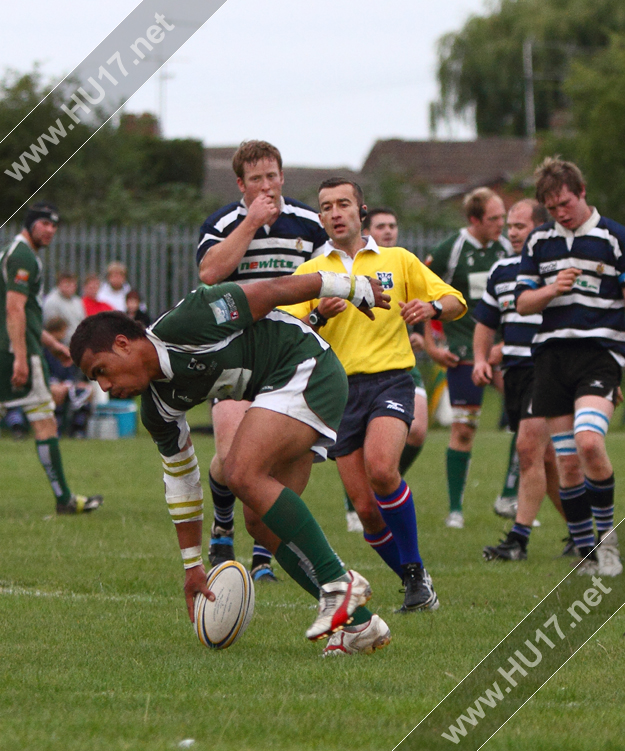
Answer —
464 261
23 372
227 341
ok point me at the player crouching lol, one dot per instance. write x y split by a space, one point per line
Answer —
227 341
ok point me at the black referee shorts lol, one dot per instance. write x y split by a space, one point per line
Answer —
387 394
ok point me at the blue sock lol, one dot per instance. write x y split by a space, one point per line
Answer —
384 545
521 533
260 555
576 506
398 512
601 496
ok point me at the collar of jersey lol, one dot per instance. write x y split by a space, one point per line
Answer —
473 240
163 355
371 245
583 229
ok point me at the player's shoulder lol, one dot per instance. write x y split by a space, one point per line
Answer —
292 207
542 233
446 245
19 251
613 227
224 216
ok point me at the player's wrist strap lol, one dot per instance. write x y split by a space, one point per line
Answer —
191 557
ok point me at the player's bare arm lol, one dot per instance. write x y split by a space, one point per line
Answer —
224 257
416 311
16 329
483 339
58 349
536 300
440 355
364 292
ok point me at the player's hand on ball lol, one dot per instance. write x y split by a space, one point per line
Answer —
194 582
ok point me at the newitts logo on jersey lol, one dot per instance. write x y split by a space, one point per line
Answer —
385 278
225 309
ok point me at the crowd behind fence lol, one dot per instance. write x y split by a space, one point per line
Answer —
160 258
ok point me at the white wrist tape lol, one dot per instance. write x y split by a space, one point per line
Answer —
356 289
183 487
335 285
191 557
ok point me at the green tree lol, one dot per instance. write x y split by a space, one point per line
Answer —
596 89
480 67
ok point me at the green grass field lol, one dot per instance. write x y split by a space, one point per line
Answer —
97 652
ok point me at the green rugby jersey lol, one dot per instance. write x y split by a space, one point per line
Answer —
462 262
20 271
210 348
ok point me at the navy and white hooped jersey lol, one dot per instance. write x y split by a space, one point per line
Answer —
276 250
497 308
594 308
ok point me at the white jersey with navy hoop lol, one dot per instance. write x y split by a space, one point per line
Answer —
497 308
276 250
594 309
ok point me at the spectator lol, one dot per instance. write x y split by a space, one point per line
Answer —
135 309
90 290
63 302
116 287
70 391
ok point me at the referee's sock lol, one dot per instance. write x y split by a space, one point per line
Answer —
576 506
385 546
223 503
398 512
457 471
600 494
49 454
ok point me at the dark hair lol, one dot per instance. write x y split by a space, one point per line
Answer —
134 295
376 212
56 325
97 333
335 182
250 152
554 174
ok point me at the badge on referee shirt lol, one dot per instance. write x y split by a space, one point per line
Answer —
386 279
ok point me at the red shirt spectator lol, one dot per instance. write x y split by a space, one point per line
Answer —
90 291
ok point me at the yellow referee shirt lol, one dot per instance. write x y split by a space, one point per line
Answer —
362 345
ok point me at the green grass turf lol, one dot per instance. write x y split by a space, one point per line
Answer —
97 653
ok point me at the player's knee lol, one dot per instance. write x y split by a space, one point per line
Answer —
530 452
237 477
591 448
463 435
383 475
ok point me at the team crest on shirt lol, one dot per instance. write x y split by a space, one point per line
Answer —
299 244
225 309
22 276
386 279
600 268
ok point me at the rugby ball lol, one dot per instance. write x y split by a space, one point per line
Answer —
220 623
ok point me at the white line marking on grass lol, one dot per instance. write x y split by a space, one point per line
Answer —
25 592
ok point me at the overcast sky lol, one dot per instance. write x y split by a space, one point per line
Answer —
321 80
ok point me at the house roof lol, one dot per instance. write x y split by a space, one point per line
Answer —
451 167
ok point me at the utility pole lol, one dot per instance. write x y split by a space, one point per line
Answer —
528 75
